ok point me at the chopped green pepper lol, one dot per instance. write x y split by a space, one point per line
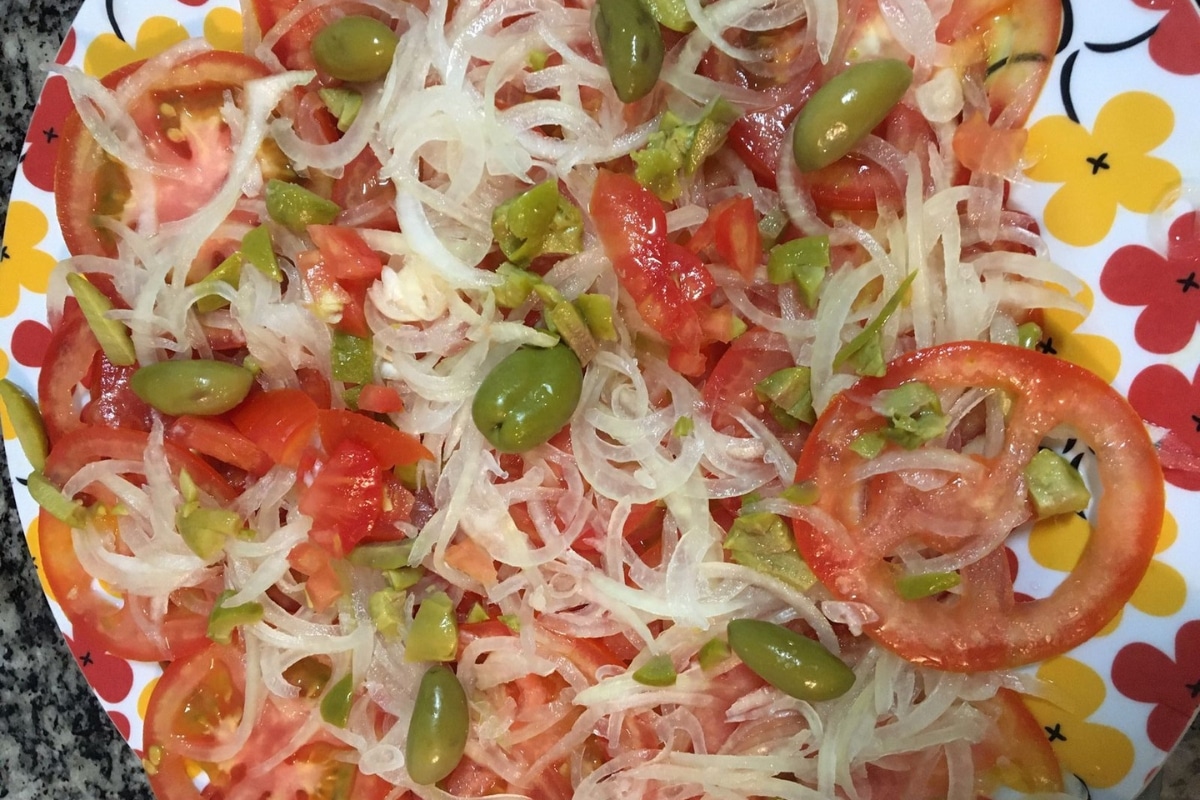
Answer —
683 427
477 614
1029 334
342 103
790 391
866 348
517 286
383 555
712 653
386 608
805 261
204 530
764 542
57 504
296 208
310 675
914 414
222 620
27 421
337 702
915 587
353 358
597 310
671 14
804 493
536 222
434 632
869 444
681 147
564 318
657 671
112 334
1054 486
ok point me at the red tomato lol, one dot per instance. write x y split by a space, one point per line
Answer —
380 399
345 253
369 199
196 706
114 404
69 358
216 438
122 630
732 227
293 45
280 422
752 357
345 499
94 443
178 116
324 585
390 446
633 230
983 627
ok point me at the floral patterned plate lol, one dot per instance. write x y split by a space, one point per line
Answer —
1113 179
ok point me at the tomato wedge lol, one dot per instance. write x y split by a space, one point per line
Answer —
345 499
855 543
279 422
389 445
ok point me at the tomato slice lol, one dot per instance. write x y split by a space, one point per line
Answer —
69 357
279 422
122 629
178 116
752 357
854 544
390 446
216 438
196 706
346 254
345 499
380 399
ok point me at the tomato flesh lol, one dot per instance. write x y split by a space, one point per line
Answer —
983 627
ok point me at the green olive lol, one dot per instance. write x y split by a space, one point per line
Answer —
528 397
437 732
632 46
355 48
27 421
792 663
846 109
196 386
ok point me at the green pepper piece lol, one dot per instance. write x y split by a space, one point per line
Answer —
915 587
565 319
683 427
204 530
869 444
112 334
511 621
228 272
1055 487
671 14
914 414
222 620
337 702
804 493
597 310
870 333
404 577
27 421
517 286
536 222
1029 335
712 654
537 60
383 555
477 614
805 261
438 729
258 250
434 632
679 148
657 671
310 675
57 504
343 104
764 542
528 397
353 358
794 664
295 207
771 226
386 608
789 389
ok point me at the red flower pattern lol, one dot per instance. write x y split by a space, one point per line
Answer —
1146 674
111 677
1169 287
1175 43
45 127
1165 397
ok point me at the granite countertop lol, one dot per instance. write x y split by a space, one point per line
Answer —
55 741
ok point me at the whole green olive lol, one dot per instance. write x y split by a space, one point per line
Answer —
792 663
437 732
355 48
846 109
197 386
632 46
528 397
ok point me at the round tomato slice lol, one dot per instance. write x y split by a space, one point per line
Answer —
121 629
179 119
864 525
196 707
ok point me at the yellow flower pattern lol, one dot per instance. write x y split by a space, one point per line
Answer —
1094 353
1099 754
1103 169
106 53
22 264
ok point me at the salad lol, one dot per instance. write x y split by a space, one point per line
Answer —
526 398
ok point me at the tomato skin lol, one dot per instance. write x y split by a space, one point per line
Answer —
216 438
279 422
69 358
983 628
732 229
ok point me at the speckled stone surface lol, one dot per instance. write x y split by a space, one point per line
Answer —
55 741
